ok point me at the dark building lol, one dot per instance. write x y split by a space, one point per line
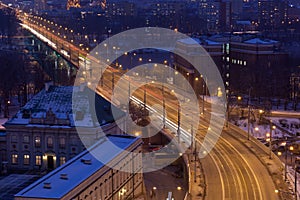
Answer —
188 47
273 14
225 15
295 88
260 65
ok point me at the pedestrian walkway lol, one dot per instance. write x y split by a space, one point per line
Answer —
196 177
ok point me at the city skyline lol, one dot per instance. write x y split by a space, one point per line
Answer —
162 99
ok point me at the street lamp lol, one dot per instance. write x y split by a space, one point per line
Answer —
248 130
272 127
268 139
291 148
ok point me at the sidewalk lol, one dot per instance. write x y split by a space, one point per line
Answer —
291 179
196 178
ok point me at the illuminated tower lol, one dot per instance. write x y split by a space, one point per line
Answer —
73 4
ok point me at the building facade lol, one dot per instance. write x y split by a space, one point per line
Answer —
188 47
259 64
243 62
87 177
273 14
43 134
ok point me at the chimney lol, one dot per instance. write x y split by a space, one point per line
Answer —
64 176
47 185
86 161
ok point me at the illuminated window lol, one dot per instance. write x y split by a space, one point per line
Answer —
38 160
14 159
62 160
26 159
37 141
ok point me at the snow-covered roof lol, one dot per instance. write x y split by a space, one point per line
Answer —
75 170
189 41
243 22
210 42
196 41
54 107
260 41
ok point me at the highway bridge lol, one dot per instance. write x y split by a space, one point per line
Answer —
236 168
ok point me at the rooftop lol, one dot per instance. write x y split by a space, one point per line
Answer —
201 41
53 107
261 41
66 177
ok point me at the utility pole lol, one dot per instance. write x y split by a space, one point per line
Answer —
296 195
113 81
101 79
178 123
195 164
128 109
192 136
203 88
285 165
164 106
270 142
228 110
145 97
249 101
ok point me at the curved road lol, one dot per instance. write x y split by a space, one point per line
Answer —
231 170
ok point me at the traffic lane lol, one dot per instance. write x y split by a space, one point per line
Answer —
260 170
213 180
234 179
242 175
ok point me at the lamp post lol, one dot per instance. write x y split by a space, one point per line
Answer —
248 131
272 127
296 195
285 165
295 173
268 139
164 106
178 123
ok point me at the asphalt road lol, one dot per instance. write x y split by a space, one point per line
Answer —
235 172
231 170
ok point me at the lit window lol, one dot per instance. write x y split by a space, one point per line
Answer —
37 141
245 63
26 159
62 160
38 160
49 142
14 159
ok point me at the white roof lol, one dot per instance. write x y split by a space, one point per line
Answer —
260 41
58 100
76 170
189 41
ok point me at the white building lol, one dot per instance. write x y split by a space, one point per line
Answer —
42 135
85 177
